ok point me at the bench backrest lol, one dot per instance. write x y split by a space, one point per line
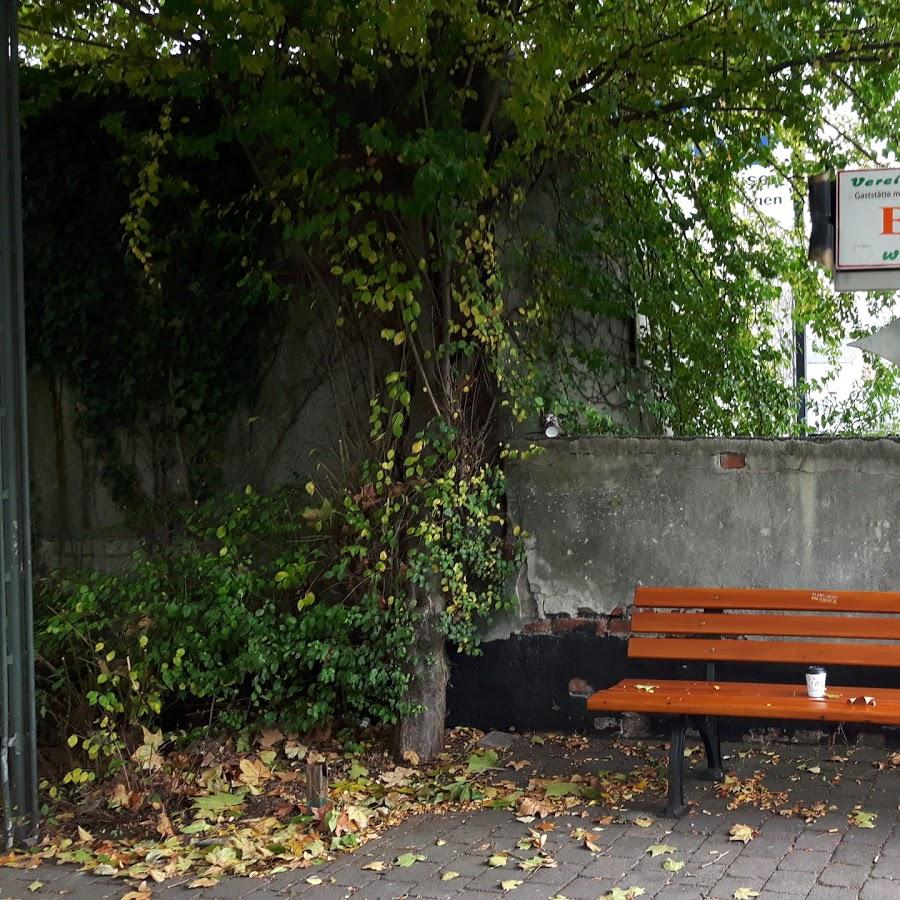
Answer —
704 624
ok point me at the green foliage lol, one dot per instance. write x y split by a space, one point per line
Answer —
265 609
141 296
238 620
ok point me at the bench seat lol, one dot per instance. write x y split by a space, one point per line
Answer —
747 699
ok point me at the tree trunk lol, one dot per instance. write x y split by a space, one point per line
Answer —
423 734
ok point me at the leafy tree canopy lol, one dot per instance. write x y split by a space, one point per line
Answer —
398 145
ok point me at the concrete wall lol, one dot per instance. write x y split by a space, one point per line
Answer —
606 514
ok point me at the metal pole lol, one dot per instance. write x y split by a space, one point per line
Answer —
800 371
18 749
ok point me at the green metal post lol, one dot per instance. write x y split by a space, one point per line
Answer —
18 751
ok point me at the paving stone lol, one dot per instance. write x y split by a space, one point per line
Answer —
791 881
752 866
725 887
842 875
490 878
825 892
322 892
804 861
868 837
681 892
436 888
607 866
555 876
583 888
888 866
855 856
705 876
381 890
879 889
820 841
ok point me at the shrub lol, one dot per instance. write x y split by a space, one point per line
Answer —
264 609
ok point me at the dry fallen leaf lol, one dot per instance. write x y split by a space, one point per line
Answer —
647 688
411 757
142 893
377 865
164 826
742 833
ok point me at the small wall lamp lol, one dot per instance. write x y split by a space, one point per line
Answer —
550 425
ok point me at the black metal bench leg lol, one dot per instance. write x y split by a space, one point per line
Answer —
675 806
708 727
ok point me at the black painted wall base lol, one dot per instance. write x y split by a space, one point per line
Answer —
523 684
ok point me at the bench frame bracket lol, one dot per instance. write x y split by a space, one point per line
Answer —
708 727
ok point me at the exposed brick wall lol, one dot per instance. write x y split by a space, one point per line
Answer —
728 461
616 623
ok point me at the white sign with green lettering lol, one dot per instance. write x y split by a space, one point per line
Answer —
868 219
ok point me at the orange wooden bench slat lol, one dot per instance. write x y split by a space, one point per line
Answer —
800 652
747 700
758 598
765 624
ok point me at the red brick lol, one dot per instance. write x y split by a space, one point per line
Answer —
567 624
732 461
542 626
578 687
602 625
617 613
619 626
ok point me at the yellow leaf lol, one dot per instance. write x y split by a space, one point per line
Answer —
84 835
742 833
310 488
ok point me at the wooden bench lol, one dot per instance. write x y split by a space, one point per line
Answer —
756 627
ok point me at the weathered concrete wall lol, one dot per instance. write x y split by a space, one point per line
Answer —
606 514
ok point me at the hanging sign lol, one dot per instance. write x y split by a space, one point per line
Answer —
868 219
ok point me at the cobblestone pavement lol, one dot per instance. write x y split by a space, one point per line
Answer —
828 859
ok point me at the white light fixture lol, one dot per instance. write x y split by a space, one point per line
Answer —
550 425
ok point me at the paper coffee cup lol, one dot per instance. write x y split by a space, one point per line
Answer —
815 682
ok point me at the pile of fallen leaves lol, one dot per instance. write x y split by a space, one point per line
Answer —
217 810
750 792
